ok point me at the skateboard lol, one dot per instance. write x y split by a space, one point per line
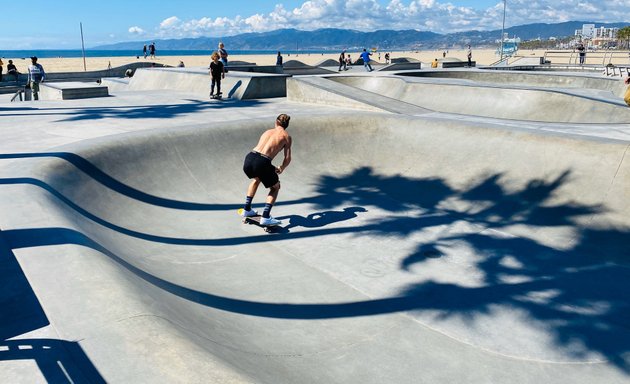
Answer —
217 97
256 221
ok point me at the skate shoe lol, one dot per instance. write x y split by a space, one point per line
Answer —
250 213
269 221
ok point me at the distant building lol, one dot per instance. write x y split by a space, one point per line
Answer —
594 37
587 31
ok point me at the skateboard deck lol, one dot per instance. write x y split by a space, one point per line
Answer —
217 97
256 221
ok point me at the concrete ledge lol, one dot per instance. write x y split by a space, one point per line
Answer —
401 66
457 64
72 90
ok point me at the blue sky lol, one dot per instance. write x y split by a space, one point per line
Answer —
57 26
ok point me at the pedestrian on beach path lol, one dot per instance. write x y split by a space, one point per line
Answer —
469 55
365 55
36 75
258 166
223 55
279 59
582 52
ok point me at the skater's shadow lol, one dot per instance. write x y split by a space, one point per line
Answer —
322 219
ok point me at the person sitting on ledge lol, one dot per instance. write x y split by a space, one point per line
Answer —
12 70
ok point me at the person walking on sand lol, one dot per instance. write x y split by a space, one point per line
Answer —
144 51
152 50
365 55
279 59
258 166
217 72
36 75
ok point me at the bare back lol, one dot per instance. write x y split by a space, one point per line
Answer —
272 141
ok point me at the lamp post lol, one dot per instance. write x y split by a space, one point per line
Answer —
83 46
503 29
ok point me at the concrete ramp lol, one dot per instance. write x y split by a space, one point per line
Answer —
477 99
321 90
413 250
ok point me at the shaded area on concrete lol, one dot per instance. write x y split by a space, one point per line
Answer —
158 111
58 361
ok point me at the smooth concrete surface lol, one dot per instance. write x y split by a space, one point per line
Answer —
418 247
480 99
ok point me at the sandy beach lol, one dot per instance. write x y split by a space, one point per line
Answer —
481 56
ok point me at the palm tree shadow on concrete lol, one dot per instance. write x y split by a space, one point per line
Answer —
587 280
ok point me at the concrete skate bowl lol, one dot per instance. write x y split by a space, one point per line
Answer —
504 102
405 240
555 80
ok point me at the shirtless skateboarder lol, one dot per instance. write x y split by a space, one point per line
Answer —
258 167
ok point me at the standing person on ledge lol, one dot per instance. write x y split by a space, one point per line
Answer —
258 166
366 60
36 75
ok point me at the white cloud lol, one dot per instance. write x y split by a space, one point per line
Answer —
136 30
434 15
171 22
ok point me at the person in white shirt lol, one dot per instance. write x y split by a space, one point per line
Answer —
36 75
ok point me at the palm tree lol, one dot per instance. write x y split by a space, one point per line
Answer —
624 36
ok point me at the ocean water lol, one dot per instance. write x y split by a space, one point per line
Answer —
55 53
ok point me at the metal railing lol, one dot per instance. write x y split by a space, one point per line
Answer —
603 57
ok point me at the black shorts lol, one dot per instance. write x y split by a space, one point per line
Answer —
257 165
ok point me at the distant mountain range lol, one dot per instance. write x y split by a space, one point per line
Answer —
336 39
